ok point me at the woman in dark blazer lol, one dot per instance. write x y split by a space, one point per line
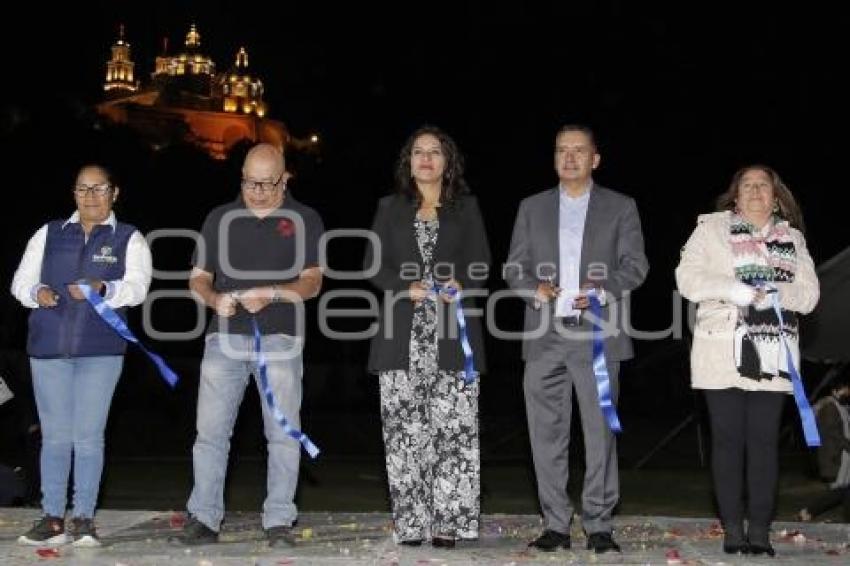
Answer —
433 251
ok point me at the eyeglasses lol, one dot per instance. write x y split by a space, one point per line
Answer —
101 189
261 186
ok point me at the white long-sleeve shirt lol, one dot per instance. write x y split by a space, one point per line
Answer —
128 291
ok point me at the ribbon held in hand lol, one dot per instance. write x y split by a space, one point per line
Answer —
469 373
268 395
600 367
807 416
117 323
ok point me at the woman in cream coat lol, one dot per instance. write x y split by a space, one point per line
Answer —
734 265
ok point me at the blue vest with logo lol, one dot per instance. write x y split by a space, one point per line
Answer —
73 328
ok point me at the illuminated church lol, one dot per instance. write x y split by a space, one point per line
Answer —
187 98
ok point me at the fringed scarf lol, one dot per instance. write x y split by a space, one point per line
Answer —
761 260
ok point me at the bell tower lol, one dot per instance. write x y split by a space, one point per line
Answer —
119 69
243 93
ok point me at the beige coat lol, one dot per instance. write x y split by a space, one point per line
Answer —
705 275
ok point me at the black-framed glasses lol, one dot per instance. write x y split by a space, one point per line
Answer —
261 186
99 189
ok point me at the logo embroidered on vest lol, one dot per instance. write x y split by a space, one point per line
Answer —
105 256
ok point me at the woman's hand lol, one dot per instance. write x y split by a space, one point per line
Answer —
77 293
47 298
419 290
445 286
763 299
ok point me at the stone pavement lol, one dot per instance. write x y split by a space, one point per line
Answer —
135 538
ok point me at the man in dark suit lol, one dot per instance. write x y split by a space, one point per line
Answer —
568 240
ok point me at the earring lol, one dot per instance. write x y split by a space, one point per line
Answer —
775 208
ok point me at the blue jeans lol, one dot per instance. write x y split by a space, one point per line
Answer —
227 366
73 397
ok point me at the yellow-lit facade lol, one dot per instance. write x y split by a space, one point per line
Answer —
219 109
190 62
119 69
241 92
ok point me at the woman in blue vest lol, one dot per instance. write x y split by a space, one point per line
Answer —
75 356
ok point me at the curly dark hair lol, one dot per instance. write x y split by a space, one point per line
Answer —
454 184
788 207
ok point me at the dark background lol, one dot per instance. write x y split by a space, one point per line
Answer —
680 97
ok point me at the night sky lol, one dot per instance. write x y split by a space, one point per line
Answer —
680 97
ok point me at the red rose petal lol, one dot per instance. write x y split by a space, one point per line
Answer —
177 520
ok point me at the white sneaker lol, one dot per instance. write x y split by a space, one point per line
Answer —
84 533
47 531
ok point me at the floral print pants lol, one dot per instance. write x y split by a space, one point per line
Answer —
430 426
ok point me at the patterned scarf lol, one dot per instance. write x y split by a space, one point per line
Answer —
759 260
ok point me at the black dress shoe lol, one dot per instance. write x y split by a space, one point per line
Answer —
550 540
602 542
412 542
756 549
280 536
734 541
736 547
194 533
442 542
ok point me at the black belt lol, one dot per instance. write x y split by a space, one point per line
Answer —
569 320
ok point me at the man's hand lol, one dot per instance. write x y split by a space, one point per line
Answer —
256 299
582 301
546 292
225 304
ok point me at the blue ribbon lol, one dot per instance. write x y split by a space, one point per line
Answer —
600 367
469 374
278 415
810 427
111 318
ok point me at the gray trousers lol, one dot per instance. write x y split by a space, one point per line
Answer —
549 384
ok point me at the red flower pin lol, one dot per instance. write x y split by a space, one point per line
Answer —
285 227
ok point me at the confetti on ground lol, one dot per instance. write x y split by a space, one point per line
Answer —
177 520
715 531
48 552
139 539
